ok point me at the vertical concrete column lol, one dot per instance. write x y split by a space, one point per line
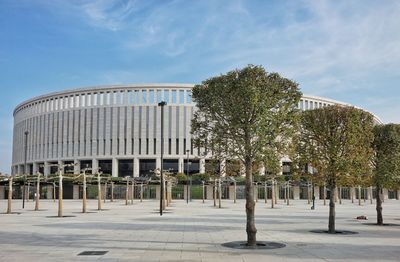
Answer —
60 163
28 169
231 192
2 192
385 194
296 192
95 165
210 191
35 168
262 169
158 163
158 190
180 165
49 193
77 166
136 169
184 192
19 170
316 192
46 168
202 164
114 172
75 194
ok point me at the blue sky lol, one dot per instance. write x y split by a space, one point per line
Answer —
344 50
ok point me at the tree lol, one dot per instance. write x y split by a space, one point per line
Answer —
386 172
242 115
336 141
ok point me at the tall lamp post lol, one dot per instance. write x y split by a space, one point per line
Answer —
25 156
162 104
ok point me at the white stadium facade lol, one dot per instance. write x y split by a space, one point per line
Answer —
115 128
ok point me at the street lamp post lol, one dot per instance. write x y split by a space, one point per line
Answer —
162 104
25 156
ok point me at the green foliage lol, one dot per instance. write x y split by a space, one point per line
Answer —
242 114
200 177
181 177
336 140
387 156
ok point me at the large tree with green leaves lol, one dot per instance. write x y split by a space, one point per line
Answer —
248 115
386 162
336 140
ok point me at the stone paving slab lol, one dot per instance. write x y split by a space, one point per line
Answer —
194 232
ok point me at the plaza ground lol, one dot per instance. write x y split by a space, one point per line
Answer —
194 232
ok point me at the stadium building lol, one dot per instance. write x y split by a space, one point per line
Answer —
115 128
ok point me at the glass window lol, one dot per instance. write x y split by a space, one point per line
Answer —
144 96
188 96
173 98
181 97
151 96
158 96
166 95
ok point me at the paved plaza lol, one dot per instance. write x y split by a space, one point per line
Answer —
194 232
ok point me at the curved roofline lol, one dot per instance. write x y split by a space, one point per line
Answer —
100 88
158 85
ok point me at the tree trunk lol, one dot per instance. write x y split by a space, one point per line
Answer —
112 192
98 192
234 192
37 192
250 205
84 194
133 191
370 194
105 192
60 195
9 202
219 193
340 195
54 192
324 193
203 191
308 193
127 192
265 192
215 193
276 192
27 195
359 195
379 216
141 192
285 192
272 193
288 193
332 213
352 192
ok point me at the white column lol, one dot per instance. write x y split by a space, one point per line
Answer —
95 165
136 169
35 168
114 172
77 166
46 168
202 164
158 163
180 165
